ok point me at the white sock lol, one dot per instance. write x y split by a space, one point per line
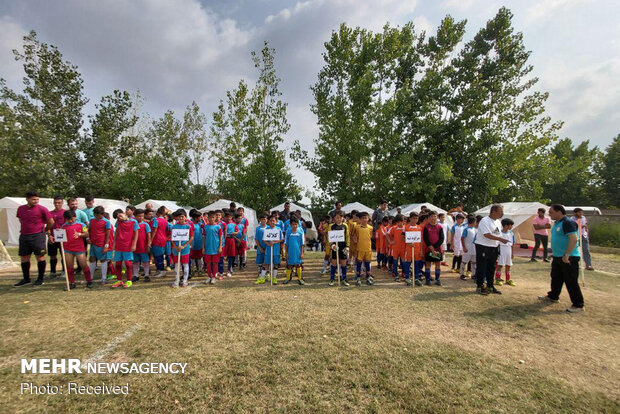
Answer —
92 266
104 270
185 272
136 268
463 267
473 268
146 268
263 273
275 273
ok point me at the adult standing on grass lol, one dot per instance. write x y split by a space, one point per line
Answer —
541 234
34 220
565 263
90 206
488 238
336 210
286 213
379 214
579 218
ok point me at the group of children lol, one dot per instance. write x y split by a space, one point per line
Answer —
215 243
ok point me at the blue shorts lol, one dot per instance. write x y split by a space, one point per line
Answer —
123 256
141 257
168 248
294 261
276 259
109 255
74 253
97 252
260 257
158 250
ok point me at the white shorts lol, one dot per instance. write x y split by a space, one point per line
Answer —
504 259
470 256
457 250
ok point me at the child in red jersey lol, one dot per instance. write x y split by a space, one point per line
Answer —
125 239
74 248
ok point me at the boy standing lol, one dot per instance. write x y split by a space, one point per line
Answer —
143 246
230 243
413 252
99 234
340 250
260 249
433 239
362 235
182 247
505 253
456 233
213 242
469 248
158 240
273 245
196 250
294 242
54 247
125 239
396 240
74 248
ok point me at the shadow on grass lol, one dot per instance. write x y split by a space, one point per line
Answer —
512 313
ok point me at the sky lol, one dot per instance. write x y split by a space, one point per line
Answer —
178 51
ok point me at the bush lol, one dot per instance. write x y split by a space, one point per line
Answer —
605 234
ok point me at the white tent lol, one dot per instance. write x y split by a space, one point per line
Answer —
357 206
9 223
311 234
250 214
522 213
586 210
170 205
408 208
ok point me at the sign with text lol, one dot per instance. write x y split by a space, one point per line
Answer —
336 236
271 234
180 235
60 235
413 237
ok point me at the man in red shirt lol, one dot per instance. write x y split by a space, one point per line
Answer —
34 220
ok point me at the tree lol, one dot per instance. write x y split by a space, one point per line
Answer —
248 128
44 123
610 174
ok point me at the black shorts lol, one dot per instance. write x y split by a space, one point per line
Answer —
341 254
429 258
32 244
53 248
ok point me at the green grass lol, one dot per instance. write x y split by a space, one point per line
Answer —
288 348
605 234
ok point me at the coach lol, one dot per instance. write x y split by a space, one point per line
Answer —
286 213
565 263
34 219
381 212
488 239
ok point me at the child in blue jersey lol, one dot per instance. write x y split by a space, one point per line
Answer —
241 239
260 249
213 244
196 253
230 243
294 243
182 247
272 250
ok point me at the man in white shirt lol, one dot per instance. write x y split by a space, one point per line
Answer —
487 242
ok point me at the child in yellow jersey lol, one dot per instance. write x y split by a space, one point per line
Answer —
362 235
352 223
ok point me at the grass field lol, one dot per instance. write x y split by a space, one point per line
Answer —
316 348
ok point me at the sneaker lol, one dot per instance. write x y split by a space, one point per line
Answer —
463 277
286 280
482 291
548 299
358 282
168 268
52 275
588 268
111 277
498 282
428 282
127 284
275 281
323 271
396 279
184 284
497 292
344 282
174 285
331 283
117 284
228 274
547 261
212 281
89 284
533 260
370 281
220 278
438 282
510 283
22 283
418 282
160 273
71 287
301 282
575 309
147 278
134 279
468 274
259 281
38 282
408 281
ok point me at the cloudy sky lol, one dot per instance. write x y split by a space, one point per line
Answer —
177 51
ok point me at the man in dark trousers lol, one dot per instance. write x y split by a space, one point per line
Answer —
565 263
35 220
488 238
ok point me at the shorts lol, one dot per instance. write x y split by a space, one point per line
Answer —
398 254
260 257
53 248
74 253
364 256
97 252
32 244
241 247
109 255
432 259
123 256
457 250
470 256
229 247
504 259
294 260
141 257
211 258
184 258
341 254
168 249
276 259
195 254
158 250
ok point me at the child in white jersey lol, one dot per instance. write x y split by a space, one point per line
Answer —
505 253
469 248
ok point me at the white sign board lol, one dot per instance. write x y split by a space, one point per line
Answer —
180 235
271 234
413 237
60 235
335 236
